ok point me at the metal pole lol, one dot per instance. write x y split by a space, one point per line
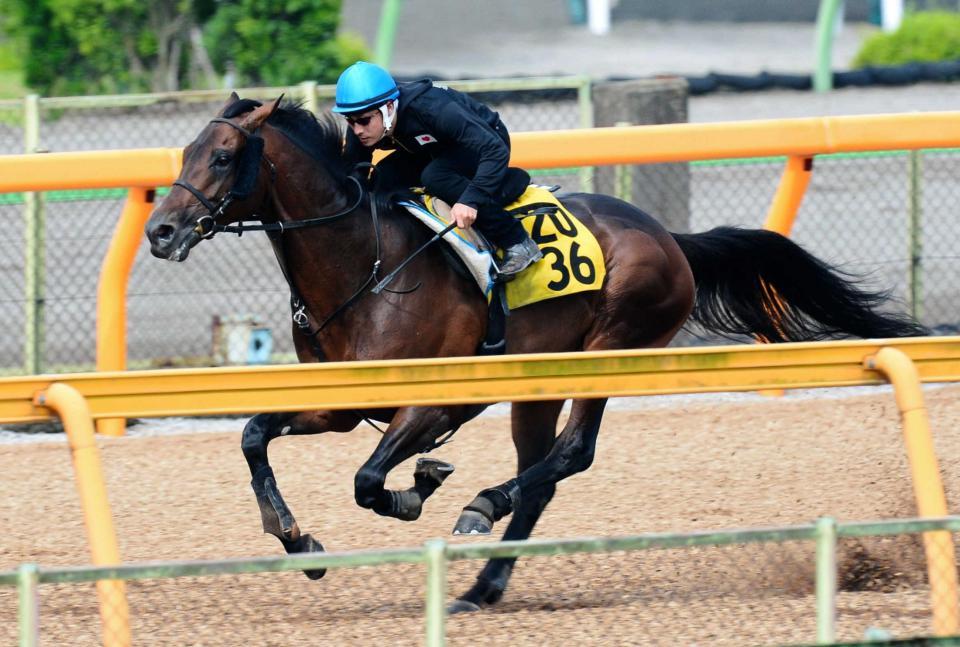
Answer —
74 411
112 292
387 32
34 256
598 16
786 202
914 272
928 490
28 579
585 104
310 102
436 592
823 44
623 175
826 585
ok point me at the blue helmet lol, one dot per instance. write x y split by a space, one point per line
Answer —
364 85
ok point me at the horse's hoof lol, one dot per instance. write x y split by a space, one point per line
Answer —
307 544
472 522
462 606
433 470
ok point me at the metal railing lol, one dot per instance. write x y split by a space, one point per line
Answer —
106 397
436 554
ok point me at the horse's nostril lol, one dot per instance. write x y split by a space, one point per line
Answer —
163 233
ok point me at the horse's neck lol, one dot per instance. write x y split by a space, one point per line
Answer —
331 263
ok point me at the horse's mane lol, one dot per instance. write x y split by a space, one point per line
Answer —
320 138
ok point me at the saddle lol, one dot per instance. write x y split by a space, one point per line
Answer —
573 260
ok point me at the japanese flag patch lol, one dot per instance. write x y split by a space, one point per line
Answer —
426 138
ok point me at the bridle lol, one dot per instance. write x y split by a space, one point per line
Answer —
251 159
249 168
249 164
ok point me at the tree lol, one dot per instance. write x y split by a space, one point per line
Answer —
280 42
114 46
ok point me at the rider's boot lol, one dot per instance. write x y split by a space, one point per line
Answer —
518 257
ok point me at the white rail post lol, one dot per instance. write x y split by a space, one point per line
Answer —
598 16
436 592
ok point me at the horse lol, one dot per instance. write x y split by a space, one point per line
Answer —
281 165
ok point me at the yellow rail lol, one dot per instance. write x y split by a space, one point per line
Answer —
799 139
350 385
548 149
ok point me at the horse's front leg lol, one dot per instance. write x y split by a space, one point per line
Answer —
274 512
412 430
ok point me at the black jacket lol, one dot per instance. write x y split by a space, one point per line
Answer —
435 122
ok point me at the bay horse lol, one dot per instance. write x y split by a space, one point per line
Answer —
281 165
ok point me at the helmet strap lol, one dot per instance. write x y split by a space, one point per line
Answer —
387 116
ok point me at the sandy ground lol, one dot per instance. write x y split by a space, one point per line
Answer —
664 466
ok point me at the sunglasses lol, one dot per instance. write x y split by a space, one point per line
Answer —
362 121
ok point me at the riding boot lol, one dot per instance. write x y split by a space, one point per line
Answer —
518 257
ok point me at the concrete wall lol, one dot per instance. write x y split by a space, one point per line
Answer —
662 190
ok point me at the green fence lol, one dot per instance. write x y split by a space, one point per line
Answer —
888 217
436 554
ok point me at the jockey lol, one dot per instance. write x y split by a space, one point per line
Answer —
452 145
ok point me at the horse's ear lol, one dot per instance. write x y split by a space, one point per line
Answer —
255 118
234 97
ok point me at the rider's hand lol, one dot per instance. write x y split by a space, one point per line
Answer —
463 215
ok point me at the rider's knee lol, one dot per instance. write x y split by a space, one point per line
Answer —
367 486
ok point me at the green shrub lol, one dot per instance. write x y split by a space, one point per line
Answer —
924 36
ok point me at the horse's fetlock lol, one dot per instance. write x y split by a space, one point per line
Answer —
504 499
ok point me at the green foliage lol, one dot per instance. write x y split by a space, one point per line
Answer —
11 87
115 46
280 43
924 36
77 46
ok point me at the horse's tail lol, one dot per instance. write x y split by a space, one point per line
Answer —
758 282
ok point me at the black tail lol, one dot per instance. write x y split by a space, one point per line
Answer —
757 282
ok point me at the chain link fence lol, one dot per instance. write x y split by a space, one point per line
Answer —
886 217
745 587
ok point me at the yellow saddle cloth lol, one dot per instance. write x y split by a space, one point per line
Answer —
572 259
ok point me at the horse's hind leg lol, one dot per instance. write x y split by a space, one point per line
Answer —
276 516
571 453
534 427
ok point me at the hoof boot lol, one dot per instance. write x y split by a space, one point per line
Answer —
472 522
307 544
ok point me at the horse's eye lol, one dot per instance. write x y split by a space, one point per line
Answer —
222 160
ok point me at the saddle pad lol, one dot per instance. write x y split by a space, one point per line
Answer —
572 259
472 249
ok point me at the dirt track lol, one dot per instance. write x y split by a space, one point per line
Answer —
702 465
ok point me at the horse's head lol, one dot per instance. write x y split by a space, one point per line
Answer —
220 181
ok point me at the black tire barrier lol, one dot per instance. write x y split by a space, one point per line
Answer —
941 71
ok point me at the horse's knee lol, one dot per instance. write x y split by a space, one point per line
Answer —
254 440
367 487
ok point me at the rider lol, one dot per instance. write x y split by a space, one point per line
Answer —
453 145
